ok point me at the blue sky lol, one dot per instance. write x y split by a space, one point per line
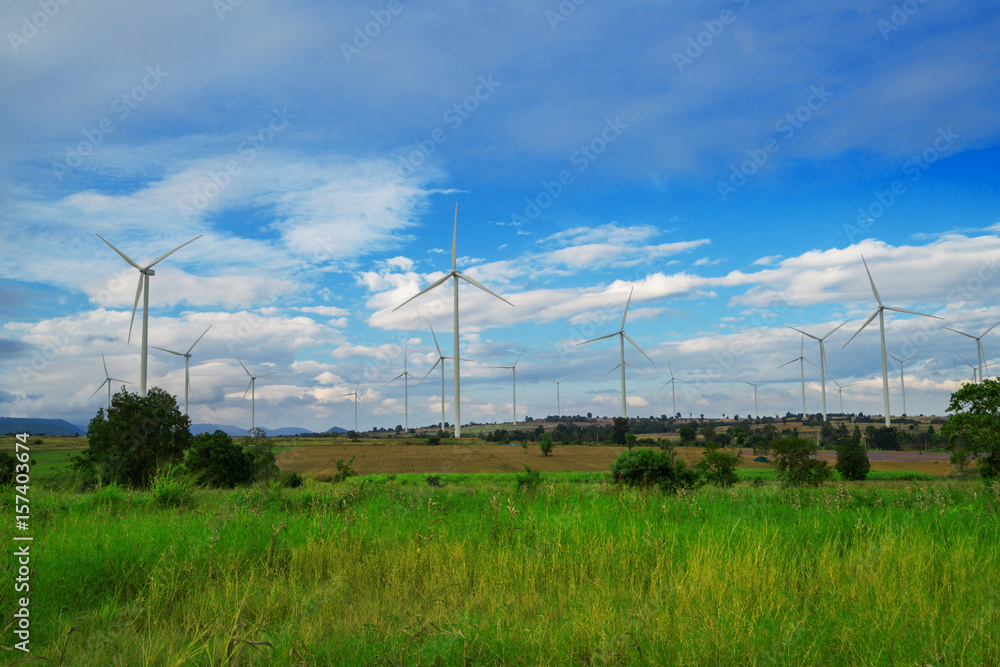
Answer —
729 161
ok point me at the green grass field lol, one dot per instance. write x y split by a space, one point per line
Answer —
380 571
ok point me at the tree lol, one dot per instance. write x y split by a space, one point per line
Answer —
739 436
708 432
7 467
688 435
618 430
718 465
654 466
545 444
758 443
974 429
136 436
218 461
795 465
852 460
885 438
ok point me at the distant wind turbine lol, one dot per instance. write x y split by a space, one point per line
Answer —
822 357
881 327
144 273
622 336
801 358
187 369
515 378
456 274
673 385
252 388
440 360
902 387
754 385
970 366
357 398
979 346
406 390
840 392
107 381
558 409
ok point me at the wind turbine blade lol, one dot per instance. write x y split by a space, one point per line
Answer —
893 356
830 333
435 338
988 330
120 253
473 281
518 378
965 360
787 362
762 378
138 291
105 361
519 356
629 339
165 255
199 338
669 381
670 368
265 375
393 380
247 390
179 354
911 356
809 362
638 368
871 280
911 312
801 332
611 371
102 384
960 332
867 322
454 241
244 367
562 378
627 303
358 396
119 380
745 382
594 340
424 290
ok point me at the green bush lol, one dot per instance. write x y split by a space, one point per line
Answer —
171 489
344 470
290 479
529 480
546 444
719 466
652 466
852 460
7 463
795 467
215 460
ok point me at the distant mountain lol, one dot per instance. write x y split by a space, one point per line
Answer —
335 429
39 426
236 431
288 430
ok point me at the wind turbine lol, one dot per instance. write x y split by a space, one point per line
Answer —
406 389
840 392
801 358
754 385
107 381
252 388
187 370
902 387
881 327
970 366
144 273
673 393
357 397
515 376
440 360
456 274
558 409
822 358
622 336
979 346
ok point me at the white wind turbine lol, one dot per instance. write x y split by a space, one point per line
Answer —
440 360
406 389
754 385
252 388
357 398
822 357
456 274
970 366
144 273
673 385
840 392
902 387
515 378
107 381
979 346
187 369
558 409
802 361
881 327
622 336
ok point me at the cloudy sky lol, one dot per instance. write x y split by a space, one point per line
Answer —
730 162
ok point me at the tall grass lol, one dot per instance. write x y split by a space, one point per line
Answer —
480 573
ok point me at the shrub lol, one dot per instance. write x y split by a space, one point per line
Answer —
290 479
852 460
795 467
433 480
546 444
344 470
688 435
170 489
719 466
529 480
7 463
214 459
651 466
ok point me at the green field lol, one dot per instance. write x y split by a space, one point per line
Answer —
380 571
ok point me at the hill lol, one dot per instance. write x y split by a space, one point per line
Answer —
33 426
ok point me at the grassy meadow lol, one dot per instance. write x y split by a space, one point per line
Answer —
389 570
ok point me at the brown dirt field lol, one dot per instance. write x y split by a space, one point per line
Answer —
388 459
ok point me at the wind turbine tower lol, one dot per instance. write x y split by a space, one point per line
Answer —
673 385
515 378
107 381
558 409
754 385
902 387
144 273
406 390
801 358
357 398
456 274
187 367
252 388
822 358
979 346
881 327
